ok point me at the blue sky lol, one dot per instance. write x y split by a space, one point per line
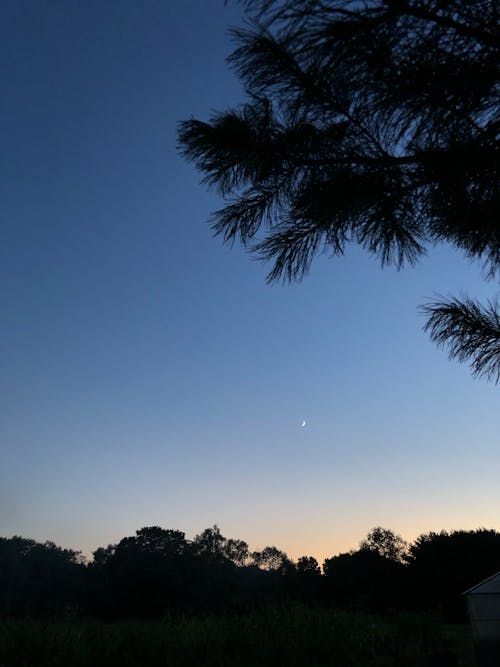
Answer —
149 374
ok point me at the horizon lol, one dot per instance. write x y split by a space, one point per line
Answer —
151 376
88 555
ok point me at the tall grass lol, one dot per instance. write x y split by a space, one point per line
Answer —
288 637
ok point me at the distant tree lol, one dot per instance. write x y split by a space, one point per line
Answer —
210 542
271 559
307 565
386 543
159 540
38 577
143 574
307 582
236 551
441 566
103 555
149 544
364 579
375 123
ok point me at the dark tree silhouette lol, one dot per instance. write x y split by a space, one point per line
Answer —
386 543
441 566
374 123
158 571
236 551
142 574
271 559
211 543
308 566
38 578
364 579
153 539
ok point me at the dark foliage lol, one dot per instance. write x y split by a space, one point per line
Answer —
471 332
38 578
443 565
365 580
374 123
293 635
385 543
159 572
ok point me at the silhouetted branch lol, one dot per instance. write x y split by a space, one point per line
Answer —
373 123
470 331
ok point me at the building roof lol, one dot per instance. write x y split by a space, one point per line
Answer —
489 586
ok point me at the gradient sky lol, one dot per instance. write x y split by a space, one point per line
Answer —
148 374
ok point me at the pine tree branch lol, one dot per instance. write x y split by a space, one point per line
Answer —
481 36
470 331
374 123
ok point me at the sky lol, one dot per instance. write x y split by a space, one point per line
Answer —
149 375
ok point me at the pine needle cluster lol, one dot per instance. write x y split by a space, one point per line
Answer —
372 122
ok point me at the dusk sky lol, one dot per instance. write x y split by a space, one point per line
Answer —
149 375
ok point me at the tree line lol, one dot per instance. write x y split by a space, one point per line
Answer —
158 571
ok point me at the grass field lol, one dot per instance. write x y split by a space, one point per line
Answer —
288 637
